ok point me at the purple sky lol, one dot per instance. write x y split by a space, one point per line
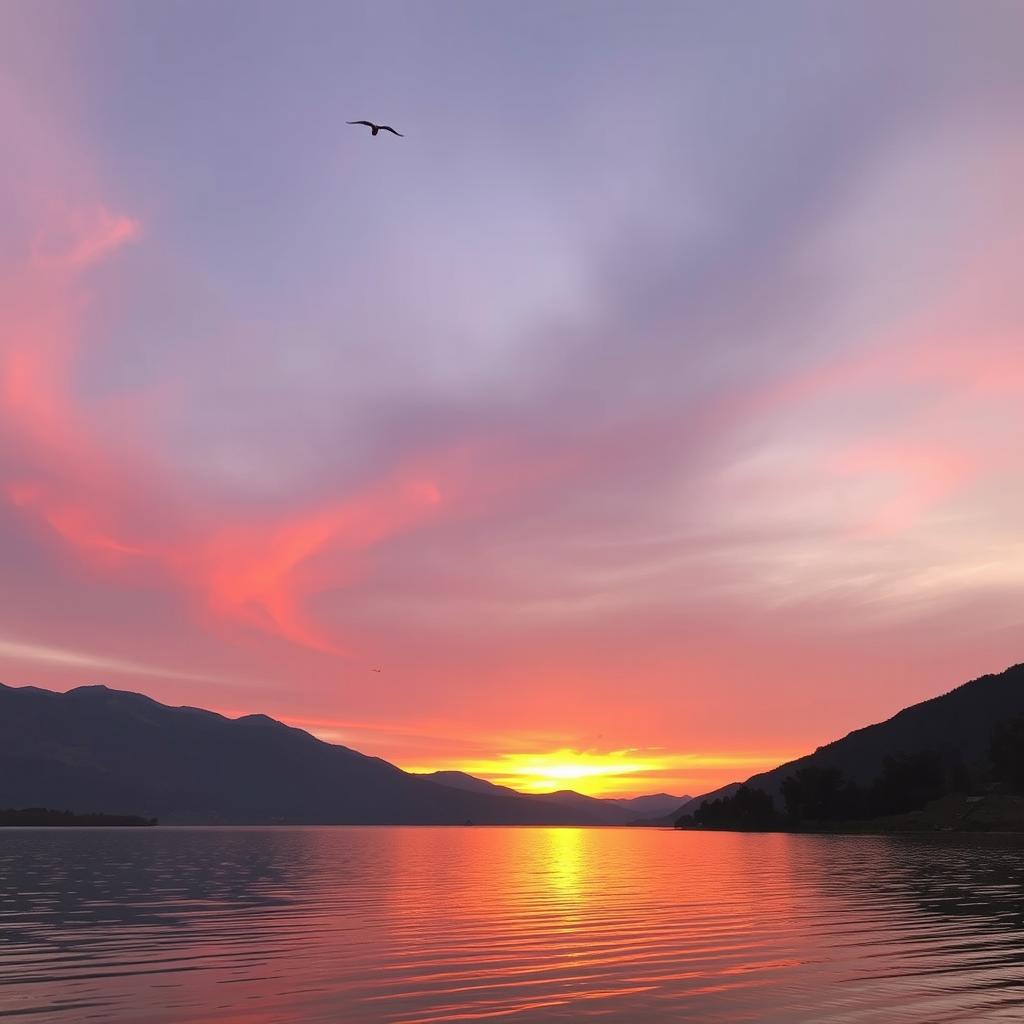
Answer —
655 404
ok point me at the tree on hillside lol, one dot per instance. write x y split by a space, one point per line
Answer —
909 781
748 810
1007 753
813 793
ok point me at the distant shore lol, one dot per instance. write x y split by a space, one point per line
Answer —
45 817
1001 812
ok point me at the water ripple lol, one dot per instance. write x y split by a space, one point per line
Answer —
425 926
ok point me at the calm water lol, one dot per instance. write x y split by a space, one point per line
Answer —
462 924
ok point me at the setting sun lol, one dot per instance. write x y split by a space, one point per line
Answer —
589 773
614 773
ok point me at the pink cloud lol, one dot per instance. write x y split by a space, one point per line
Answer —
79 237
918 475
100 503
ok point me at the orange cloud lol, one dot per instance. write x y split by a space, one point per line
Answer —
72 522
251 573
38 346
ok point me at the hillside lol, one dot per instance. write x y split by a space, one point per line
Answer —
962 722
94 749
654 803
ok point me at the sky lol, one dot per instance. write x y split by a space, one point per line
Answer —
649 414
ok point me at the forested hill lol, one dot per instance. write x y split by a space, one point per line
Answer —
943 743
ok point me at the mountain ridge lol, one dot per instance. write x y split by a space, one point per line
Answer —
95 748
961 719
613 810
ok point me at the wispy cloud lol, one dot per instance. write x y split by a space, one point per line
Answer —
43 654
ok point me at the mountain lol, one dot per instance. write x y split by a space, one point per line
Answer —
689 806
648 806
470 783
612 811
94 749
598 809
961 722
603 810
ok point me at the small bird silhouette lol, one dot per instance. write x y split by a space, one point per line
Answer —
374 128
374 669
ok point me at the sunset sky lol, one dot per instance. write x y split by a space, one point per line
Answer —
652 412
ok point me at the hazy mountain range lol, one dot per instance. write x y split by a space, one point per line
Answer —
609 810
97 749
962 721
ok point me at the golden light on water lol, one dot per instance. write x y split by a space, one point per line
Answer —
566 866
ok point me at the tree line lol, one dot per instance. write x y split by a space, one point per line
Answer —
39 816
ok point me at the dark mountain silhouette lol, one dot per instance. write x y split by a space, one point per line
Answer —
689 806
599 810
101 750
655 803
470 783
961 723
604 810
611 811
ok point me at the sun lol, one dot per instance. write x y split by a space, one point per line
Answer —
591 773
615 773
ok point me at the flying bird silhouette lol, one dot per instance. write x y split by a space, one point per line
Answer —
374 128
374 669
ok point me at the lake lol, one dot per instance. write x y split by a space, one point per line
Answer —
426 925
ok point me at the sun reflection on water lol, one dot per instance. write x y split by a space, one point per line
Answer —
565 856
430 925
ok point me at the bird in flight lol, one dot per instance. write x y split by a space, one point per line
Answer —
374 669
374 128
